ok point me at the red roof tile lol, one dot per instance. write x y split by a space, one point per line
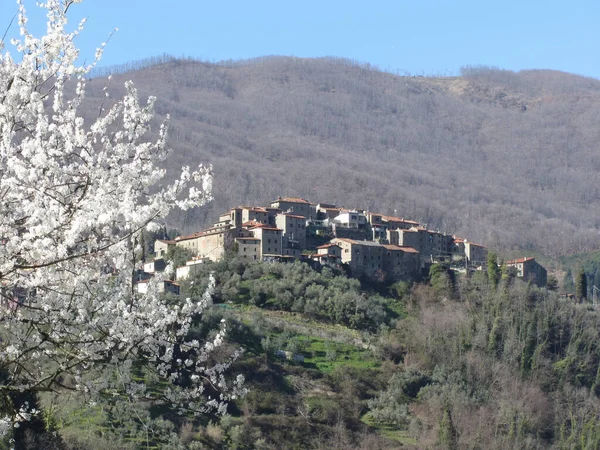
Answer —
409 249
396 219
292 200
520 260
328 245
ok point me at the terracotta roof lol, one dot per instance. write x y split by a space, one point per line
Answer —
328 245
409 249
167 241
392 247
473 244
211 230
295 216
402 248
247 239
349 241
252 223
189 236
396 219
292 200
520 260
262 226
363 243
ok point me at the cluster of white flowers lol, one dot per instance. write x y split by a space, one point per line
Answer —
74 198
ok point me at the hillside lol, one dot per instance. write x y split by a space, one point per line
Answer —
508 159
330 363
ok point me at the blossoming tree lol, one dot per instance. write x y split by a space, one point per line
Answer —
74 197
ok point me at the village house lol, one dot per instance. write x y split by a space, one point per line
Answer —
379 261
528 269
248 248
293 228
395 223
401 263
331 249
475 254
298 206
351 219
210 243
260 215
166 286
327 211
162 247
270 240
156 265
191 268
364 258
328 254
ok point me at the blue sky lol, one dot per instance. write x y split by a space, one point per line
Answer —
433 37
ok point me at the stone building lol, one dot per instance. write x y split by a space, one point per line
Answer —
162 246
298 206
210 243
248 248
364 258
529 269
401 263
191 268
293 228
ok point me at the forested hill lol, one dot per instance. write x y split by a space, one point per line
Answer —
507 159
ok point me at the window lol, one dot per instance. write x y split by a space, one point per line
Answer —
244 250
269 241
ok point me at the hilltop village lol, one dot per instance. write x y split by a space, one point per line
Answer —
367 244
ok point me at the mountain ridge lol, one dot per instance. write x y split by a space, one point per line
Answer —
508 158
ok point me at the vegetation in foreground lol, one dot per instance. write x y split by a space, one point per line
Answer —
452 363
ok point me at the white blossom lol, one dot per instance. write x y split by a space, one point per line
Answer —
74 197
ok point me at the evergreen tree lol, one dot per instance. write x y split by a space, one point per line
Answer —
529 348
493 270
448 435
581 286
568 283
